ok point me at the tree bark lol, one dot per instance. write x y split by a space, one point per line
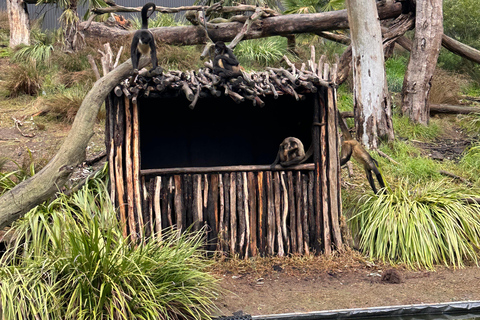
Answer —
73 37
423 59
19 23
43 185
279 25
373 116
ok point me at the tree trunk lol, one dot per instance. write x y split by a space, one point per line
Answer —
43 185
423 59
19 23
74 39
285 25
373 116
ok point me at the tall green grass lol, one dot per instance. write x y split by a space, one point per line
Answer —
70 261
419 225
264 51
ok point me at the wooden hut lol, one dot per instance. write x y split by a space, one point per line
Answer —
188 149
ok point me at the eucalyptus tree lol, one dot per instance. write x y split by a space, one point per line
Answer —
19 23
73 39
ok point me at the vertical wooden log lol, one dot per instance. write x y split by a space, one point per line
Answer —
305 214
197 202
226 224
109 127
286 239
324 177
188 200
333 168
156 205
317 182
164 202
212 211
205 194
247 213
136 169
120 191
298 198
147 209
278 213
241 215
311 210
170 198
178 202
252 189
129 170
221 213
233 212
270 214
261 213
292 212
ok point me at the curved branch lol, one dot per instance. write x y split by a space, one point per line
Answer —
43 185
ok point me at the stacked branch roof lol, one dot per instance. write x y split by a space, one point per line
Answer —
204 83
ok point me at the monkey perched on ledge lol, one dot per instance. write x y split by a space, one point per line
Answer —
143 42
225 63
291 152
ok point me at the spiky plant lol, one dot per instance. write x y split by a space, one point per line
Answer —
69 260
419 225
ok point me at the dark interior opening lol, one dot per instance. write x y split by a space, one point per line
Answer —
219 132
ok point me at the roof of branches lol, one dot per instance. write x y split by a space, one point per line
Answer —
202 83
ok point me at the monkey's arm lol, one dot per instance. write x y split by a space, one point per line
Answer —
230 61
231 54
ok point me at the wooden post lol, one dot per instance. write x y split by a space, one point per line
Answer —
261 213
129 170
233 212
136 169
278 214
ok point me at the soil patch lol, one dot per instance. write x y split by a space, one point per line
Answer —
287 290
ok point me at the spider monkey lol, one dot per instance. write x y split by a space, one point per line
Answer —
225 63
351 147
291 152
143 42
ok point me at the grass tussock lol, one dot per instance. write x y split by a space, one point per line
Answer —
70 261
63 106
23 79
419 225
446 87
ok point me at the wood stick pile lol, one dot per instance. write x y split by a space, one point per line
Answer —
204 83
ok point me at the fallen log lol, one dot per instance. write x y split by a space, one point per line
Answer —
446 108
283 25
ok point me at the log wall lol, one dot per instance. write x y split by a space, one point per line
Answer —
247 210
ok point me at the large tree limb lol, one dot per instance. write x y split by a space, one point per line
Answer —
272 26
461 49
43 185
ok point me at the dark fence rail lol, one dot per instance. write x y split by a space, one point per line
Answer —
51 14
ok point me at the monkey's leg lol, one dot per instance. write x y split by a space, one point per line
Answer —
153 54
379 177
370 180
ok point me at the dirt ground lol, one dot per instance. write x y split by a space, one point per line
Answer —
359 284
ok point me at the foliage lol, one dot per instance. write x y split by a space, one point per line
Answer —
69 260
156 21
264 51
404 127
311 6
63 106
23 79
463 27
470 162
8 180
178 57
419 225
395 67
262 3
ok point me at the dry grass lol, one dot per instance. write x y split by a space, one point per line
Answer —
446 87
23 79
261 266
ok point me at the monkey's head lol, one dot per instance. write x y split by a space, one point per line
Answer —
290 146
220 47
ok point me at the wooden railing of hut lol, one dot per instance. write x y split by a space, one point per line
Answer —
245 210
